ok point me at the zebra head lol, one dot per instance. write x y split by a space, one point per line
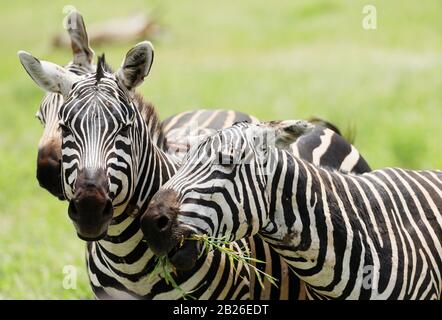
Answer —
49 147
220 190
98 121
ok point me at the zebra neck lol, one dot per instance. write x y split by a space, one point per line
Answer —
152 168
283 183
301 224
155 167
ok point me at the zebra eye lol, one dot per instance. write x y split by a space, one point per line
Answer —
125 129
64 128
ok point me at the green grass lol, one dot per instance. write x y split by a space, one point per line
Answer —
290 59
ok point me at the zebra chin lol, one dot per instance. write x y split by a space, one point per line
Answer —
91 225
184 255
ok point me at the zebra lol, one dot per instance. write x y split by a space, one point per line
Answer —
113 162
376 235
49 148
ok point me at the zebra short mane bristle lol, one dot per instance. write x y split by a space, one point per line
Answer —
237 123
349 136
102 67
150 116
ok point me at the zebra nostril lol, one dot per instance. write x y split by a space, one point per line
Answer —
162 223
72 211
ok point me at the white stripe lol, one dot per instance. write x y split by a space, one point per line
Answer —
323 147
350 160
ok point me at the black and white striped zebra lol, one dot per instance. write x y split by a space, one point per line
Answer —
372 236
113 163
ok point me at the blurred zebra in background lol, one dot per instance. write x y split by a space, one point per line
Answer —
49 147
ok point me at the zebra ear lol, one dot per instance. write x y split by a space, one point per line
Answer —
47 75
82 52
136 65
288 131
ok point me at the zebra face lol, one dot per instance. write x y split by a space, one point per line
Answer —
97 133
99 122
220 190
208 196
49 147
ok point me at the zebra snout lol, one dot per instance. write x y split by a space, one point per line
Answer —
91 208
48 170
162 223
159 222
91 217
165 235
157 227
93 180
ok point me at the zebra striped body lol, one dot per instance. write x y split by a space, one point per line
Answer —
325 148
114 160
372 236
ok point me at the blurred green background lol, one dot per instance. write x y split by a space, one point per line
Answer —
275 60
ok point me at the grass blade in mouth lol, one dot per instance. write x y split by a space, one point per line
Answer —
241 255
165 270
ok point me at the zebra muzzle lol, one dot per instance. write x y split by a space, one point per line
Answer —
91 218
164 234
91 208
159 222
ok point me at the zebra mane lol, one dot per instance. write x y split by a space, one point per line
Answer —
239 123
349 136
102 67
150 117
